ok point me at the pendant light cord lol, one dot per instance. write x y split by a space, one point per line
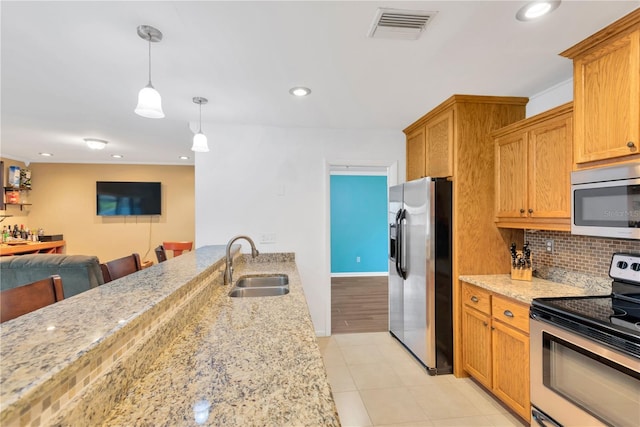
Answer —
200 127
149 59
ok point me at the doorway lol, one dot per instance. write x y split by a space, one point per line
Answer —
358 246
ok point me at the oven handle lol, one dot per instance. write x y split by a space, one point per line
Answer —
542 419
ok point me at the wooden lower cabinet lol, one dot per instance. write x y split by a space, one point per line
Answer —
476 336
510 351
495 342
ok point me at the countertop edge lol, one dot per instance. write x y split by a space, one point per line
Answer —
522 290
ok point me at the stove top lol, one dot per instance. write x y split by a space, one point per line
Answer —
608 311
611 319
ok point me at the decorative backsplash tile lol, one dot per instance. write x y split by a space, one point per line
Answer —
583 254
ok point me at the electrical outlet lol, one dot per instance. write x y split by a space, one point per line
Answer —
549 246
267 238
357 259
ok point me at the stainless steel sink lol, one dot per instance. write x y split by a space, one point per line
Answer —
260 281
259 292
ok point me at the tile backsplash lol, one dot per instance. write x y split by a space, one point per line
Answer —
584 254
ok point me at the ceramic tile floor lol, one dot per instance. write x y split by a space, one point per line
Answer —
376 382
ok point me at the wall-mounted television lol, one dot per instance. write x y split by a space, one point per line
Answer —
128 198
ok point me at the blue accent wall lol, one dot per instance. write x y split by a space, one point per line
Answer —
359 224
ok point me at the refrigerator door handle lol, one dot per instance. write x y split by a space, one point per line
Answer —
402 244
397 243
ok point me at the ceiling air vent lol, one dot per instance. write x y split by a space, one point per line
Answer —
399 24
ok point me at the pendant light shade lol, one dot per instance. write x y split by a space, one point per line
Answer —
200 143
200 139
149 100
149 103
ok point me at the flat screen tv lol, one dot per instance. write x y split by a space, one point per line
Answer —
128 198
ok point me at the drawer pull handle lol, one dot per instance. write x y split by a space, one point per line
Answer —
508 313
474 298
485 323
521 210
630 144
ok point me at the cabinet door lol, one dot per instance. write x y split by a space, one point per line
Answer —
439 137
511 368
416 154
607 100
511 176
550 169
476 343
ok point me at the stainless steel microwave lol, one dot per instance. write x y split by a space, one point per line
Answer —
606 202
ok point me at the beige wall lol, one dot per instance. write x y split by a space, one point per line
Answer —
64 202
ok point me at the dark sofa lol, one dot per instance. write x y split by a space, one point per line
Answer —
79 273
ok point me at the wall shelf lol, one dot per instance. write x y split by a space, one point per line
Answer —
18 189
17 204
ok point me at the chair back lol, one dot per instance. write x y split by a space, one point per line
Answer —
161 254
27 298
177 247
120 267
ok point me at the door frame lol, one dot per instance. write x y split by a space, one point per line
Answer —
331 165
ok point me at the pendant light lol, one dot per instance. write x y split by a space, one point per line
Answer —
149 101
200 139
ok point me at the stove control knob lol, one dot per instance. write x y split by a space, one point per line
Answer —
622 265
635 266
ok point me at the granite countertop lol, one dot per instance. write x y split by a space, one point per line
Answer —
167 346
39 346
241 362
525 291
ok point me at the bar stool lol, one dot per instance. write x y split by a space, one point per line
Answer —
120 267
24 299
177 247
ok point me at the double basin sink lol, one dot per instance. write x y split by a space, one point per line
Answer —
260 285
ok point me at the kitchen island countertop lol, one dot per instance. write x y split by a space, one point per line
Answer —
168 346
522 290
241 362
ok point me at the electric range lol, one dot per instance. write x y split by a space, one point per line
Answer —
585 354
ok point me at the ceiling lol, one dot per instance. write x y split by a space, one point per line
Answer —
72 69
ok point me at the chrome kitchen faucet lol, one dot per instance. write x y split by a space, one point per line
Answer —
228 272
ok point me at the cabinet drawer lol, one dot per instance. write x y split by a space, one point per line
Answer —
510 312
476 297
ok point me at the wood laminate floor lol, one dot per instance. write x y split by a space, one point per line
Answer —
359 304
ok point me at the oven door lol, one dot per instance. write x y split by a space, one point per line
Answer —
607 209
576 381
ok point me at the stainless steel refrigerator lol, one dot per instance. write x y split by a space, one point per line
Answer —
420 282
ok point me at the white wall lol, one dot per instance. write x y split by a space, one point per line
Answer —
549 98
258 180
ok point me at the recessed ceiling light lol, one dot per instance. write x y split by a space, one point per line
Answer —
183 157
299 91
46 154
536 9
95 144
117 156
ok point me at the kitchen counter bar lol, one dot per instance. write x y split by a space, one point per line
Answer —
522 290
154 346
241 362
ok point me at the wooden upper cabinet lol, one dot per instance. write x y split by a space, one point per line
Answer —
511 173
416 154
549 168
607 94
456 132
439 144
533 171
